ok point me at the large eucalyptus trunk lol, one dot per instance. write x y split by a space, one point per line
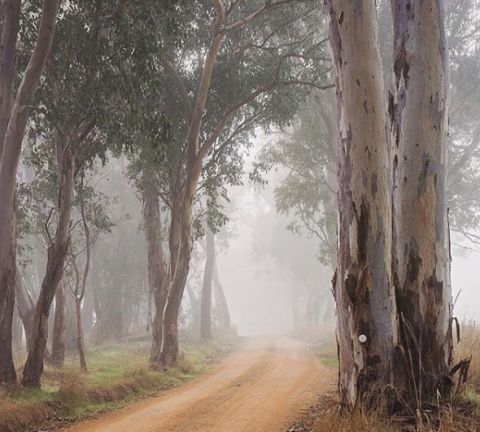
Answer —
366 326
57 354
422 260
10 148
56 255
157 275
207 287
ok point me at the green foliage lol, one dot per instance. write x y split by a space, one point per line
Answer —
276 57
464 135
306 161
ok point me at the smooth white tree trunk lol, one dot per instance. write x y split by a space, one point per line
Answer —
366 327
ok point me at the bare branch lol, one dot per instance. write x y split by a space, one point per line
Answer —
260 11
179 85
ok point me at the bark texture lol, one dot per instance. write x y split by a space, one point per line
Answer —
366 327
11 146
57 253
157 275
418 112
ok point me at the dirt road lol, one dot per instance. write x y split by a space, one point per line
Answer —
260 388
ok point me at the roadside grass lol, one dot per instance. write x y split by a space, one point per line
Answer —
117 376
462 414
321 341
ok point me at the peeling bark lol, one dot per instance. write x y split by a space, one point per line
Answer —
366 325
422 261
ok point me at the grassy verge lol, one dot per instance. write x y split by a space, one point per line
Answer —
462 414
117 376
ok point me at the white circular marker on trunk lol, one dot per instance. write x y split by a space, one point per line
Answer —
362 338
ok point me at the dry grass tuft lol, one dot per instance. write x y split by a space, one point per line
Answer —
469 346
462 415
325 416
15 417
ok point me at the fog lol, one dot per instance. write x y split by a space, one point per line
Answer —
184 185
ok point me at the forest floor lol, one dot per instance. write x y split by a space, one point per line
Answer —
263 386
118 375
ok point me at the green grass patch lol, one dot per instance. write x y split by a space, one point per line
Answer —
117 375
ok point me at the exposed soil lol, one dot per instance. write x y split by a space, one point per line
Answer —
262 387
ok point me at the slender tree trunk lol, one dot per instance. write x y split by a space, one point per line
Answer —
366 325
70 325
157 276
195 306
179 266
17 332
25 308
57 355
207 288
80 337
57 253
87 314
221 299
10 147
422 262
180 262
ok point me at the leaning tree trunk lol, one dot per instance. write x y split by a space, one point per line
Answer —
157 275
195 152
10 147
181 225
169 353
57 355
225 320
57 253
10 27
80 336
422 262
25 308
366 326
206 298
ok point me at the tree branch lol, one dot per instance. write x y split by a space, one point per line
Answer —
179 85
205 82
